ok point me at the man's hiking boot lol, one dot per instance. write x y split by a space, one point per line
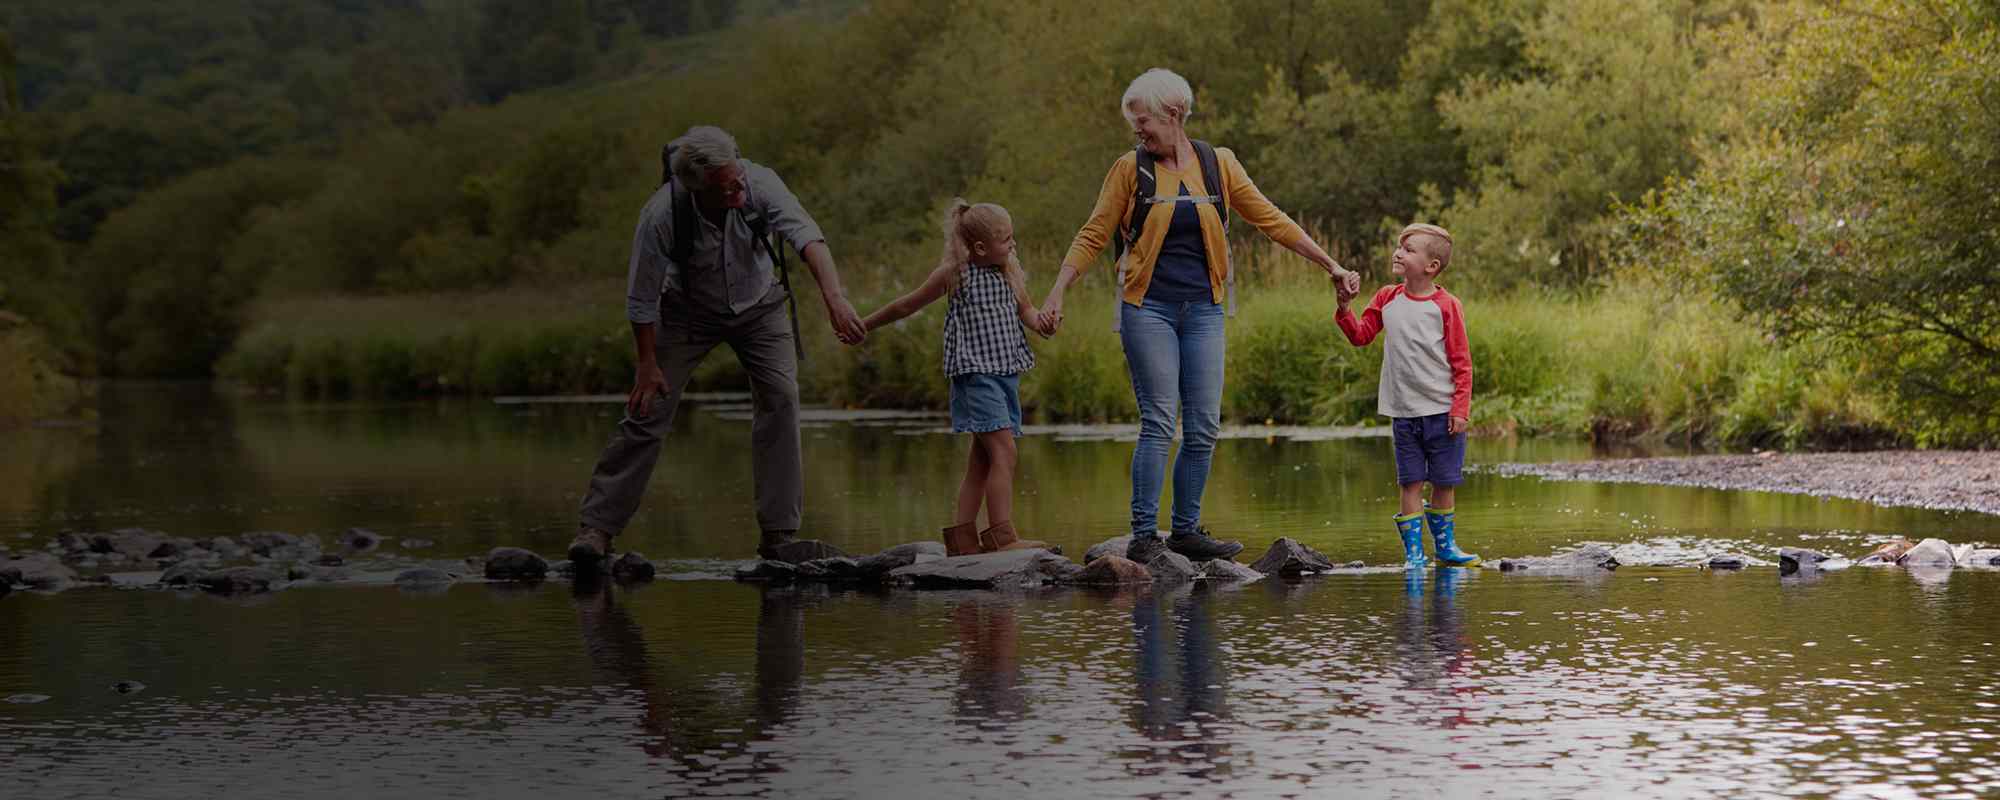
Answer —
1197 545
1002 537
1144 547
590 548
787 547
962 539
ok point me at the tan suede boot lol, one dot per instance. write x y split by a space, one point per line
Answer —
962 539
1002 537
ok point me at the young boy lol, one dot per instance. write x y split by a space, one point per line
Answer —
1426 386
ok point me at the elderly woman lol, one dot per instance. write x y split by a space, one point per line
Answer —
1174 276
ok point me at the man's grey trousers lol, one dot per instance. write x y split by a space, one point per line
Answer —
762 340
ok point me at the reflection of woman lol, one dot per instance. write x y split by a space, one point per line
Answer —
1181 675
1173 281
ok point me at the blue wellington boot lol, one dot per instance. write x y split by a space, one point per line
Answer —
1442 520
1411 527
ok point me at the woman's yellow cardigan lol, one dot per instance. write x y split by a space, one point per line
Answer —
1114 204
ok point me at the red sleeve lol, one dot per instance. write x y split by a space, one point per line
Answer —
1362 331
1458 352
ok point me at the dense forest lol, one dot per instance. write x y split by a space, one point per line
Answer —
1755 221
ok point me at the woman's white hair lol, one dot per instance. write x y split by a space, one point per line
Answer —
1155 91
700 151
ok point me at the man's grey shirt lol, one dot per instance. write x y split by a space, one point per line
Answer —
727 271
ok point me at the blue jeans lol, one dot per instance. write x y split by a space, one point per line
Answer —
1174 352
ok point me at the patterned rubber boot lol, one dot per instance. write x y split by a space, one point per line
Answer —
1411 527
1442 521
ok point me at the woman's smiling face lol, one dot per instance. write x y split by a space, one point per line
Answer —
1155 132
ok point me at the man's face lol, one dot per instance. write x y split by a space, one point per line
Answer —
727 187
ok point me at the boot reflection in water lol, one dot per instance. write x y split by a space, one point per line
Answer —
1432 653
1182 679
989 672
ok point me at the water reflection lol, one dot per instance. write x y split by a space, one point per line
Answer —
1181 681
989 692
1431 650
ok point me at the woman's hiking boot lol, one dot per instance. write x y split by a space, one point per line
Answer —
1002 537
1442 522
962 539
1197 545
1411 528
1144 548
590 547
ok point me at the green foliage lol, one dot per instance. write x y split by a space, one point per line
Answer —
1854 203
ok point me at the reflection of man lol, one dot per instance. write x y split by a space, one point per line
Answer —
1181 675
702 274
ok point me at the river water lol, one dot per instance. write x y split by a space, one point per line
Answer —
1659 679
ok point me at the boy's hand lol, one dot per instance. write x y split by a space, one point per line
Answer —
1343 292
1457 425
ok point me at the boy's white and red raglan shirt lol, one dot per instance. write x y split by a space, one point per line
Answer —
1426 361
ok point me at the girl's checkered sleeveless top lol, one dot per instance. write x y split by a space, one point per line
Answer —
982 326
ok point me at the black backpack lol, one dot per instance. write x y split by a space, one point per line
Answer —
1142 194
683 246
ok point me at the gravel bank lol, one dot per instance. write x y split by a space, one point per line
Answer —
1967 481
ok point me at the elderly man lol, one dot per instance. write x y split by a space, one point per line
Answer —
715 283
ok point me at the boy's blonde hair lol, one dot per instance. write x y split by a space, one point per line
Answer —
1438 247
965 224
1155 91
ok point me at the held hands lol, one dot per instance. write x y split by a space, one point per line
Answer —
1050 318
847 325
1457 425
1344 290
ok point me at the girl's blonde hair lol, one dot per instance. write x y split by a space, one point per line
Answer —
966 223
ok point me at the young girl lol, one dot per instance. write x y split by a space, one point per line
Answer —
985 352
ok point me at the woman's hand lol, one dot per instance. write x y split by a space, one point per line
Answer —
1051 315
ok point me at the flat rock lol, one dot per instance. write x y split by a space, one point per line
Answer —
1112 570
1588 558
1929 553
40 571
1886 553
1729 561
1793 559
1171 567
1114 546
1288 557
264 542
424 576
134 543
186 573
224 546
772 571
803 550
515 564
1221 569
1006 569
633 568
237 580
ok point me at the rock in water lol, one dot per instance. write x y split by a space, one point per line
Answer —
264 542
1113 570
424 576
238 580
1114 546
515 564
1793 559
1588 558
186 573
1288 557
803 550
1007 569
128 687
1887 553
772 571
633 568
1929 553
1224 570
39 571
1729 561
1171 567
361 539
416 544
1981 558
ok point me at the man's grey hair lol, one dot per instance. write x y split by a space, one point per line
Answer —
699 152
1155 91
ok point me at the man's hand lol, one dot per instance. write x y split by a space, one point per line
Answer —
847 325
649 382
1457 425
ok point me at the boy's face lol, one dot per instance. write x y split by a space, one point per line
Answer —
1412 257
997 250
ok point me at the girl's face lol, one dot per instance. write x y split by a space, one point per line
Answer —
998 249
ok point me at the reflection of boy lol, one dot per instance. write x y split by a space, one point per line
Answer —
1426 386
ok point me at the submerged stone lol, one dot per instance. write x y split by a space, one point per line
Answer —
1220 569
39 571
128 687
1793 559
237 580
361 539
1929 553
1729 561
424 576
515 564
1288 557
1981 558
772 571
1112 570
263 543
416 544
27 699
633 568
186 573
1006 569
1588 558
803 550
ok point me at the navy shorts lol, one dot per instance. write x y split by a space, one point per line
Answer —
1426 450
982 402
